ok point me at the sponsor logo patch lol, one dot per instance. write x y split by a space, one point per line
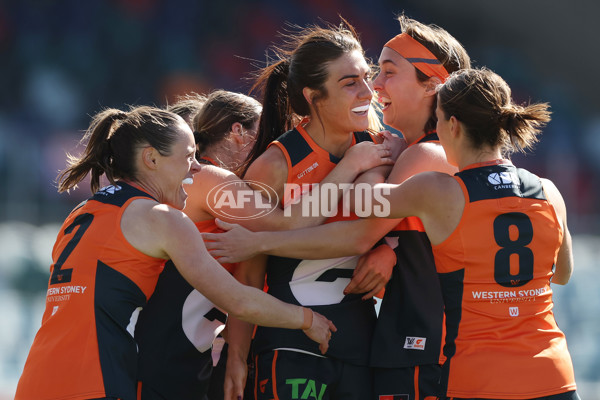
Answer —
414 343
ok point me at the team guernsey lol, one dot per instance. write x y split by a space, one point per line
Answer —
495 271
98 283
175 333
410 323
318 284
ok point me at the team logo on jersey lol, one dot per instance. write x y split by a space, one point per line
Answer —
502 180
322 281
513 311
414 343
201 321
110 189
227 198
263 385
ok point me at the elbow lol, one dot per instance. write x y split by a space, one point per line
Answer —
561 279
244 310
561 282
562 276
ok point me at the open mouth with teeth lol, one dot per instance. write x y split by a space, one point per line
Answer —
385 102
362 110
188 181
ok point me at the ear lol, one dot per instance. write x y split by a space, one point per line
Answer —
308 95
431 86
455 127
149 157
237 131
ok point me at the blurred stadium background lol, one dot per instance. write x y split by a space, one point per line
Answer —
64 60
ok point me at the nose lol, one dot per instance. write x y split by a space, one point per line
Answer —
195 167
367 90
378 82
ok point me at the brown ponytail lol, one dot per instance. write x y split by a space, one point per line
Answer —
302 61
523 124
113 138
96 158
481 101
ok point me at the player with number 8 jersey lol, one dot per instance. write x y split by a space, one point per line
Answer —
499 237
508 224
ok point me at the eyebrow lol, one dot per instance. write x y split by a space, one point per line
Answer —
386 62
347 77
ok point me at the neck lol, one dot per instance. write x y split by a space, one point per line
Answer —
333 141
147 187
479 156
224 156
414 128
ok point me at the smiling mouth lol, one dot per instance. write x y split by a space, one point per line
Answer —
188 181
385 102
361 110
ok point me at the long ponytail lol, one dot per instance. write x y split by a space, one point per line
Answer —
277 115
96 158
113 139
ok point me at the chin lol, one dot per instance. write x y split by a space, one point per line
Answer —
386 117
362 126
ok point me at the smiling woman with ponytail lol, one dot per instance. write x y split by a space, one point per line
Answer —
111 250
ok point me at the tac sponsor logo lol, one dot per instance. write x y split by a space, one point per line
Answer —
414 343
306 388
502 180
227 197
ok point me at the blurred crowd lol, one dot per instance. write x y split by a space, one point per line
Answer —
64 60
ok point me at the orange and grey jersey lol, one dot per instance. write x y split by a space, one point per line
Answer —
98 284
317 283
410 323
502 341
175 333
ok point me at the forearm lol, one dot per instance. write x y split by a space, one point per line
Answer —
332 240
239 338
246 303
250 273
337 184
257 307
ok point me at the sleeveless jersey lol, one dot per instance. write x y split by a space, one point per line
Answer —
317 284
175 332
410 322
98 283
502 341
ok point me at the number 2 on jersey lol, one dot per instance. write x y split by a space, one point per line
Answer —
60 275
509 247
